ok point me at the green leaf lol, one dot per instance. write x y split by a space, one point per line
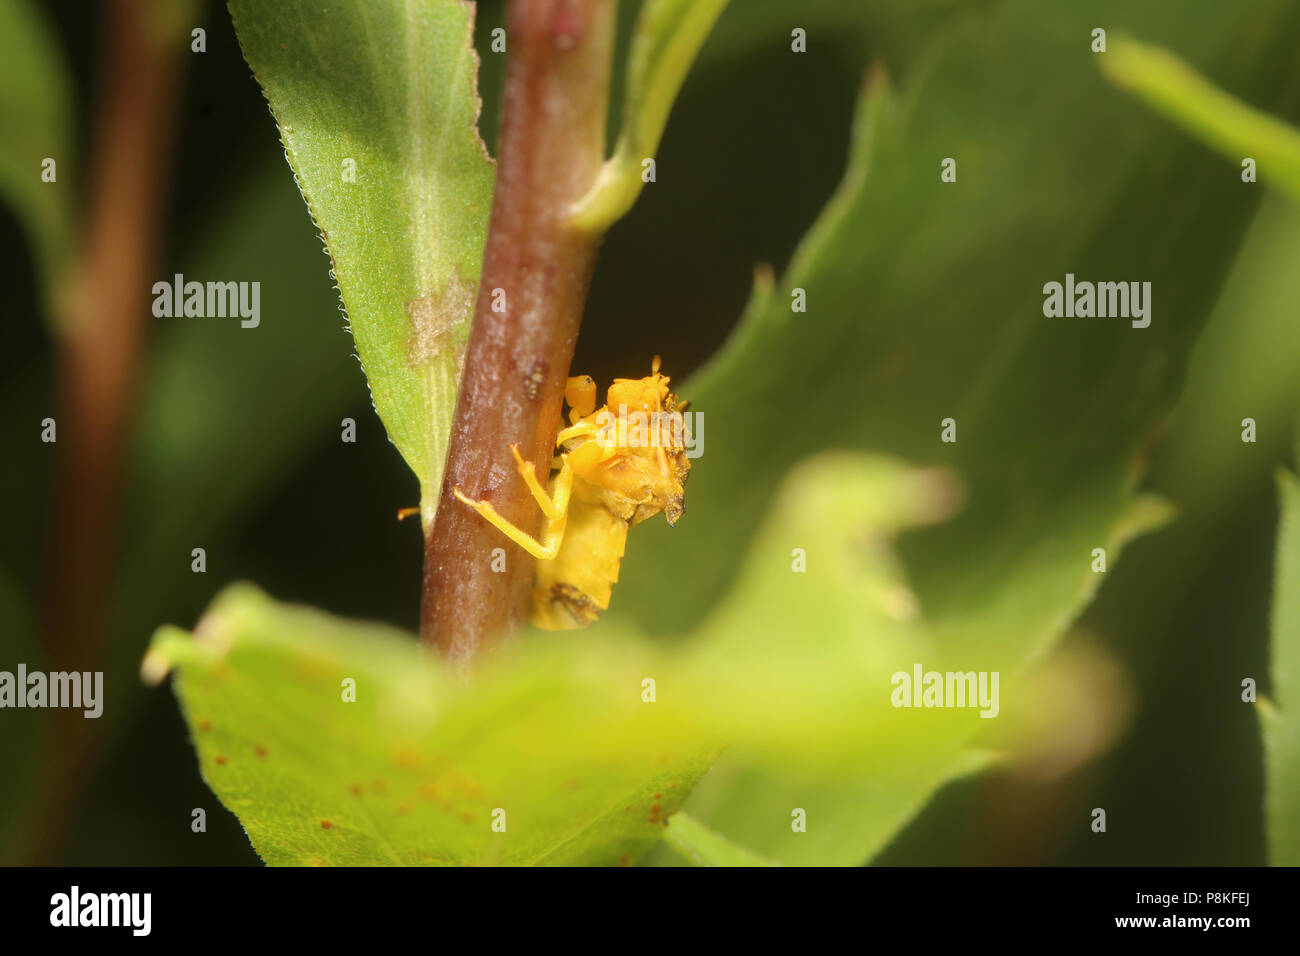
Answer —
1280 716
1220 120
798 669
1246 364
925 302
669 33
1163 607
914 315
557 732
36 113
415 771
703 847
386 90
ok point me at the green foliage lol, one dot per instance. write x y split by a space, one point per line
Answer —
413 771
36 113
1236 130
1280 716
703 847
564 734
912 317
558 733
386 91
1221 121
977 560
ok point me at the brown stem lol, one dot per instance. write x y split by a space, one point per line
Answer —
552 144
102 330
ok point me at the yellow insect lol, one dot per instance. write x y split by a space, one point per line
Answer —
621 464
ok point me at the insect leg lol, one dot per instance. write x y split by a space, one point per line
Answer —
529 474
543 552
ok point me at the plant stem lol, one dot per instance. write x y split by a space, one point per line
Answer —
550 152
102 330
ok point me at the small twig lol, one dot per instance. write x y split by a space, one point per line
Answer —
551 149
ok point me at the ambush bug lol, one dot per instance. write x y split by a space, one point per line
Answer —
619 465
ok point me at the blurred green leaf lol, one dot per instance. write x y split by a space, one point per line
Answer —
1280 716
797 668
693 840
1221 121
1246 364
1164 608
36 115
414 771
915 315
558 733
668 35
377 107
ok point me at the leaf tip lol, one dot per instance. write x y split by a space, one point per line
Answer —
166 650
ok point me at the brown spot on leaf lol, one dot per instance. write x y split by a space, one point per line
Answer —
221 760
439 322
205 726
355 790
623 860
406 760
462 784
326 824
260 750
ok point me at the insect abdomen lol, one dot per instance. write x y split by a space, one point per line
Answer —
571 591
